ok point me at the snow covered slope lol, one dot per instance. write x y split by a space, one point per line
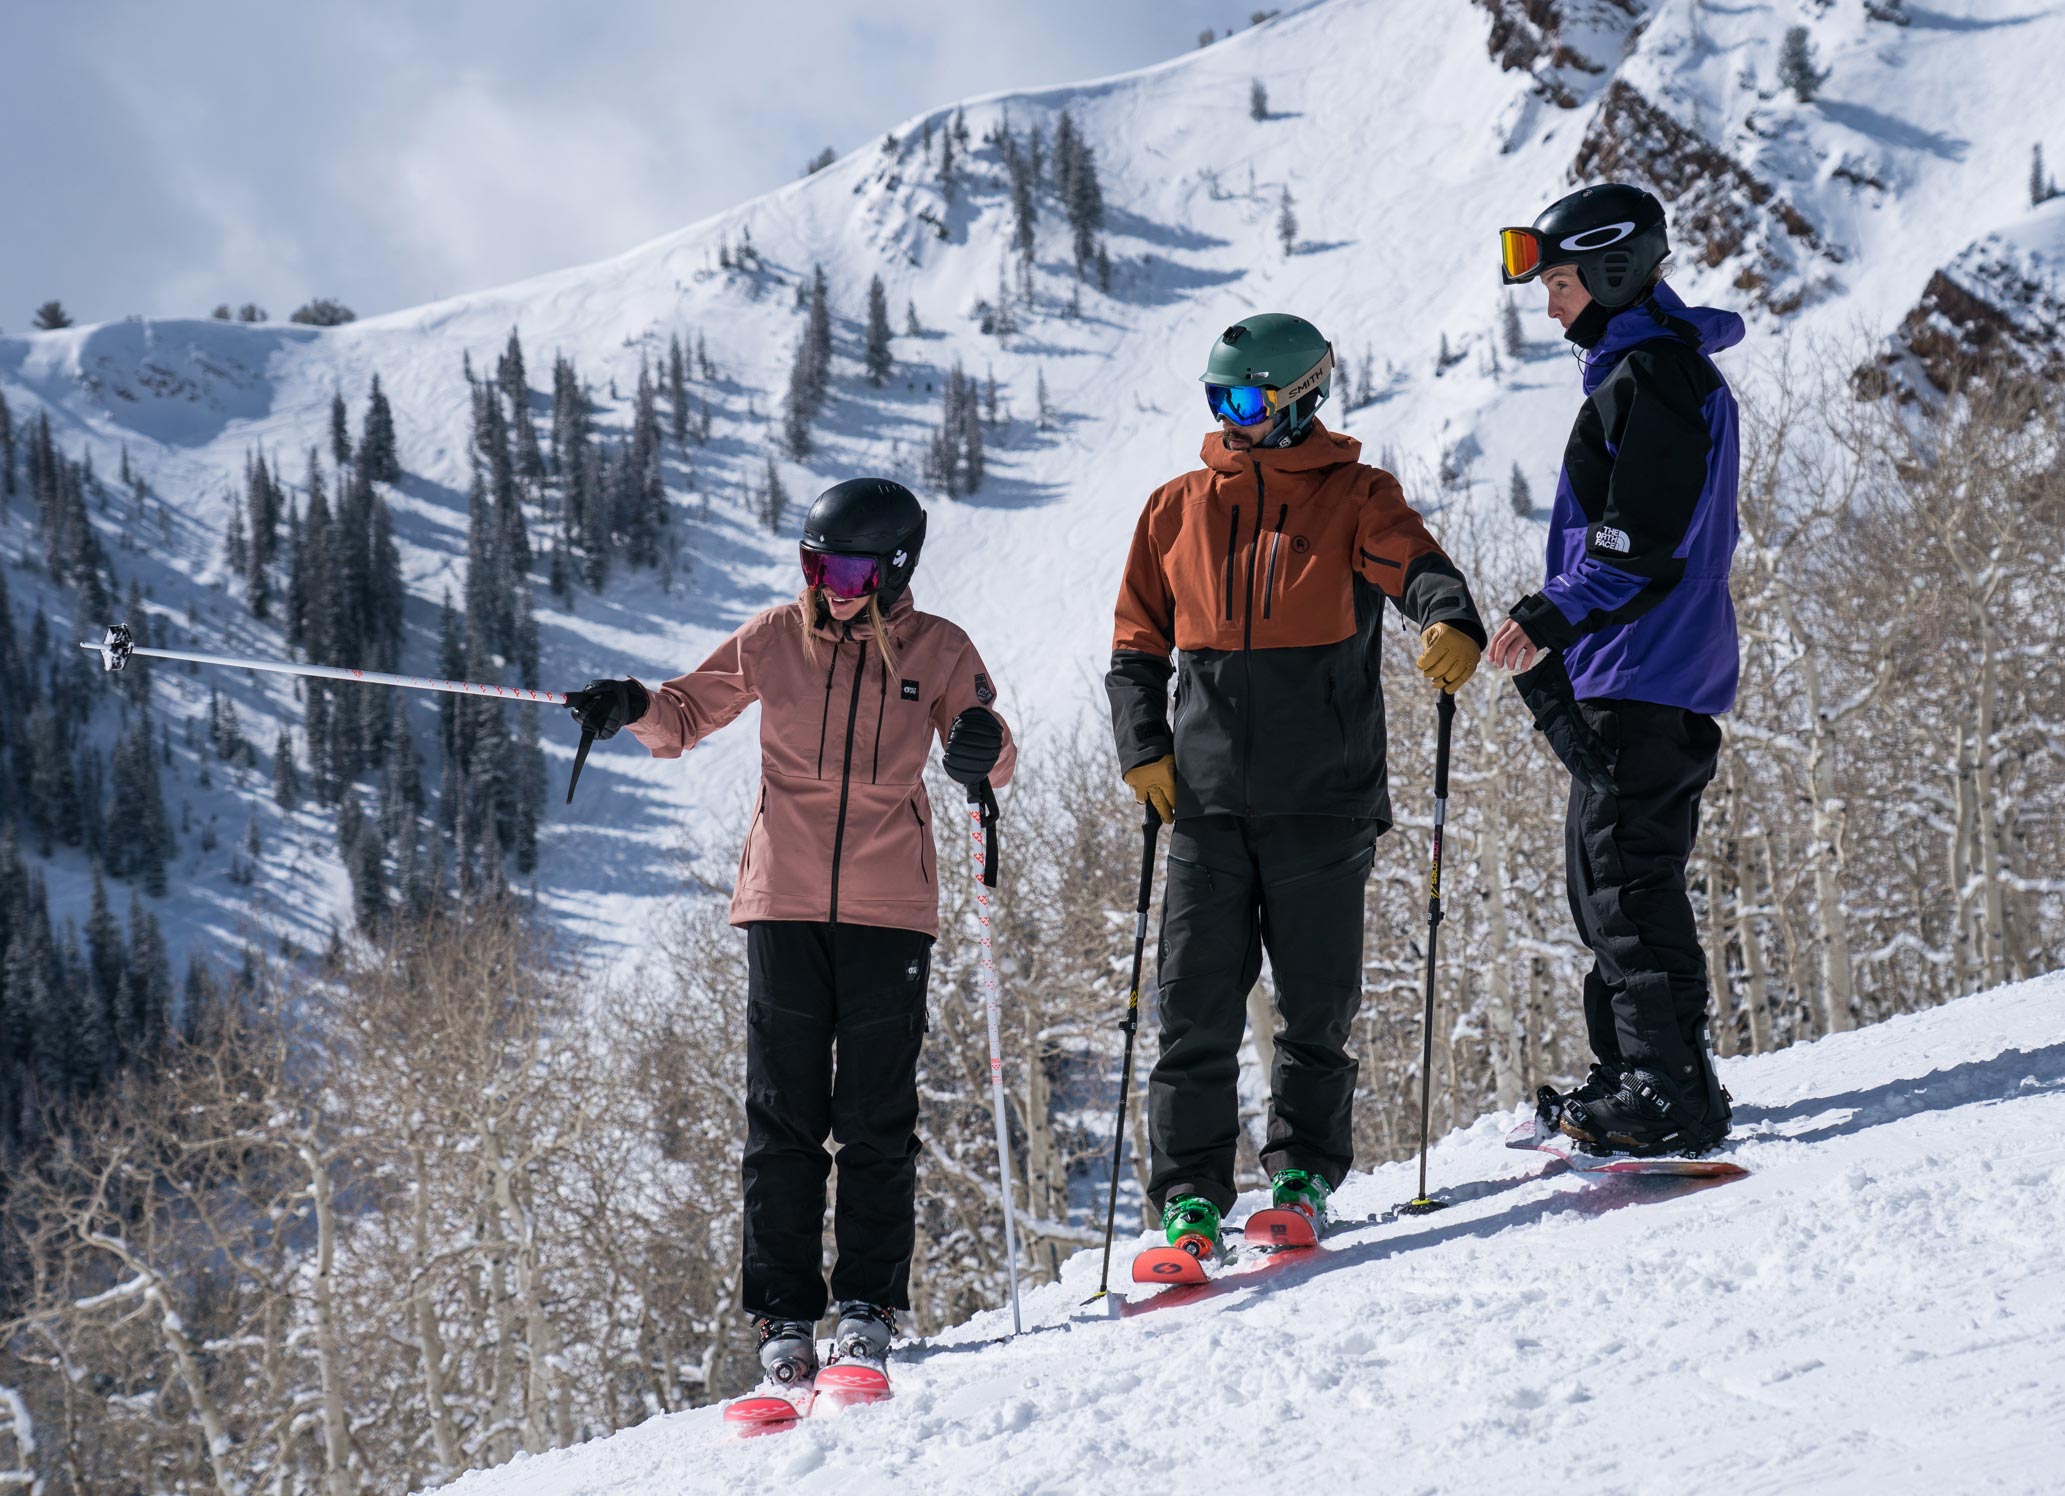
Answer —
1405 135
1879 1306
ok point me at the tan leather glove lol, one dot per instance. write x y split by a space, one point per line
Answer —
1448 657
1155 784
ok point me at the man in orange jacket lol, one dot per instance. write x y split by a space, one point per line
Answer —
1265 571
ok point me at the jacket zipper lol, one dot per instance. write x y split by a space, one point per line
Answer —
923 871
881 711
825 721
1232 540
1269 592
860 667
1247 645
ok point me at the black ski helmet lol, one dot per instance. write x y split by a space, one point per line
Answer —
870 517
1613 233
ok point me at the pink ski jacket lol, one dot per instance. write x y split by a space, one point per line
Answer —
842 829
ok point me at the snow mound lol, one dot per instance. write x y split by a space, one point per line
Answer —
1879 1305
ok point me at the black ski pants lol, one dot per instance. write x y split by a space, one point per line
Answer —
1625 855
814 989
1238 885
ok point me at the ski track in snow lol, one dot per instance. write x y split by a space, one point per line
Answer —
1879 1306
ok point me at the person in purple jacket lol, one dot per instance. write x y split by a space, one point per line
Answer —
1640 631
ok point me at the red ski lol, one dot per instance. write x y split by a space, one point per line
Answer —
1166 1266
1278 1230
848 1384
770 1411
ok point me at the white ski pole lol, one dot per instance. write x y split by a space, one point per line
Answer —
982 810
119 645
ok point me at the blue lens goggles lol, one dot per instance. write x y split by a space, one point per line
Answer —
1242 404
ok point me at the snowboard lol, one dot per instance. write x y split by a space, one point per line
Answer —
1536 1133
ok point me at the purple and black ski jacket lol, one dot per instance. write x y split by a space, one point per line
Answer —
1644 525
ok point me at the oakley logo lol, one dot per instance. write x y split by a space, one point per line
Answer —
1598 238
1613 541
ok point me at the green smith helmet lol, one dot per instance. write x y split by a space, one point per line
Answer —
1269 366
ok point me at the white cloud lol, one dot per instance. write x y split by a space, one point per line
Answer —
389 152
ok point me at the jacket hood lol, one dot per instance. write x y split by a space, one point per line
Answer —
1717 329
1321 448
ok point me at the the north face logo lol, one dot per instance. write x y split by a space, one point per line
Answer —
1612 541
910 690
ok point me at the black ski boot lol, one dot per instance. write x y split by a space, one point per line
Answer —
864 1333
1649 1115
1597 1086
788 1350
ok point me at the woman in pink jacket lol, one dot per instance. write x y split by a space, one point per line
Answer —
838 892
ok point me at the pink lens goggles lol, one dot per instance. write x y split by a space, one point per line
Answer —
842 576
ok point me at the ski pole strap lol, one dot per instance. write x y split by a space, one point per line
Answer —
984 799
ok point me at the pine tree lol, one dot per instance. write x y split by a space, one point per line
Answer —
774 499
1287 223
340 431
1046 410
378 453
1796 69
1025 212
107 961
911 326
1258 101
149 981
797 406
1519 495
1082 198
677 391
948 176
1510 330
818 337
877 356
51 316
7 481
137 825
286 779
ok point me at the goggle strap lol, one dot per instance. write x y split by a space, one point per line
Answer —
1307 382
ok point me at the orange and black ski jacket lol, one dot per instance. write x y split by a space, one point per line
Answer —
1265 572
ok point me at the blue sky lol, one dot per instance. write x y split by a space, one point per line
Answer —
161 158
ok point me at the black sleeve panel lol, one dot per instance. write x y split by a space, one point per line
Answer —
1653 411
1435 592
1138 686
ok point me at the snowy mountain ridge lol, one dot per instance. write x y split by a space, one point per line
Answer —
1879 1305
1403 136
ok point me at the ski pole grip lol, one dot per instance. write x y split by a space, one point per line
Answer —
1150 833
1445 711
981 796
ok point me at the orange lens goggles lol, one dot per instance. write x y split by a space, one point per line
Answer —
1520 253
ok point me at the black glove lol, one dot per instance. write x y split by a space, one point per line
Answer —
972 745
1552 701
603 706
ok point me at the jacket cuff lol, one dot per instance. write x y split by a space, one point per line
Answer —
1544 622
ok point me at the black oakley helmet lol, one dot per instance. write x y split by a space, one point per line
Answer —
870 517
1614 234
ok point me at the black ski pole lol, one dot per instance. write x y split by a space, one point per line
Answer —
1150 832
1420 1204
